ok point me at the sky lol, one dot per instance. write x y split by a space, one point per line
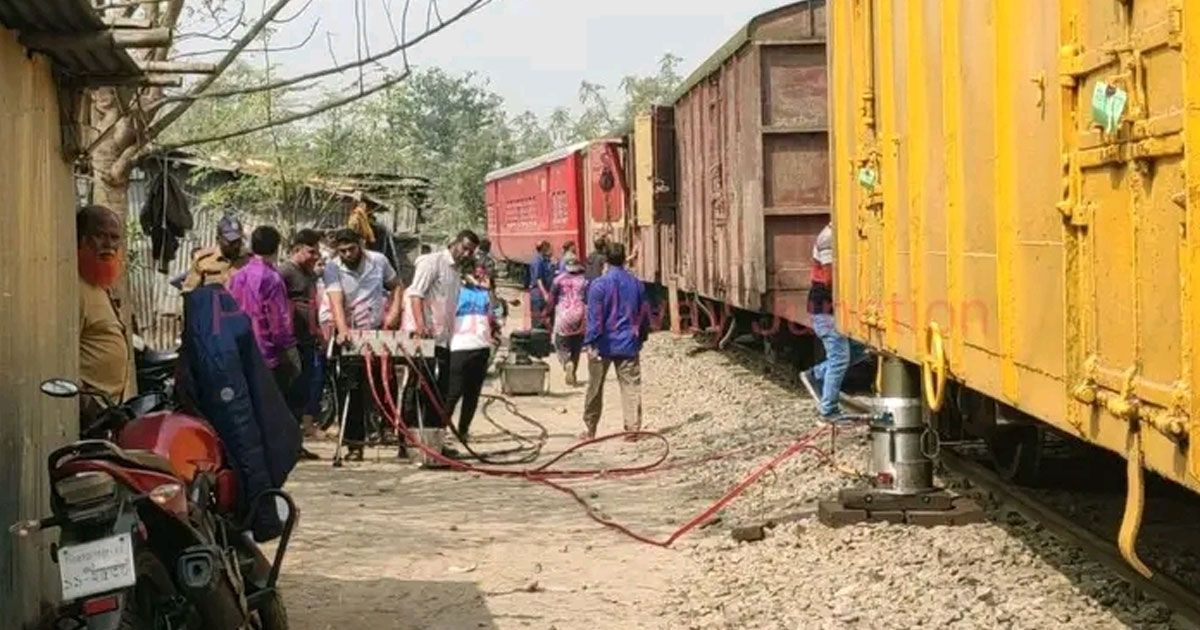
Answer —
534 53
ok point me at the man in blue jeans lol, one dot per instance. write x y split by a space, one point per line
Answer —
824 380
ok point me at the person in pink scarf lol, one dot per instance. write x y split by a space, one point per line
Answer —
570 315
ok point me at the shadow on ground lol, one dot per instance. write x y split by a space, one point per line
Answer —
321 602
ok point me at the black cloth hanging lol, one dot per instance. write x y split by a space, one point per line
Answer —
165 218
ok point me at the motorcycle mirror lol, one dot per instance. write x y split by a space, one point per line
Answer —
59 388
282 510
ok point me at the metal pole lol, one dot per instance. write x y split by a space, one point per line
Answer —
896 453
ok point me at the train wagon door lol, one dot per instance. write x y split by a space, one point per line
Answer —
606 192
1130 241
858 147
653 184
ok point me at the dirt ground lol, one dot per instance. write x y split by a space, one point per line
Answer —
382 544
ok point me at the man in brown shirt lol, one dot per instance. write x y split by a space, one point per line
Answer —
217 264
105 349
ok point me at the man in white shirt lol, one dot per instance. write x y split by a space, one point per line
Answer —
432 301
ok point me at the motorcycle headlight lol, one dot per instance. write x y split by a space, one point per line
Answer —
85 488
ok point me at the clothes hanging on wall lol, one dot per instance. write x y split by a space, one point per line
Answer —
165 218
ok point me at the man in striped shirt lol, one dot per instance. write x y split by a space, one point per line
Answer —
364 294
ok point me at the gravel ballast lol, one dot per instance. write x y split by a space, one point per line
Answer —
1007 573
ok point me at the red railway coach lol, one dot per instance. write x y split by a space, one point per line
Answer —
573 194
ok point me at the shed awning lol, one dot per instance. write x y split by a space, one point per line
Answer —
72 34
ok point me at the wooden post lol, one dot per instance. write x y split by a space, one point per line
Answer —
126 22
673 305
148 38
178 67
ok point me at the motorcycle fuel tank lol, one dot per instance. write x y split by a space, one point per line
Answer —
188 443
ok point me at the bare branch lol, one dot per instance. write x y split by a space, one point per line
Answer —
247 37
297 46
470 8
387 10
329 42
218 24
299 12
404 31
358 41
330 105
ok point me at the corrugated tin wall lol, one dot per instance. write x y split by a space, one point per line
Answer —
39 306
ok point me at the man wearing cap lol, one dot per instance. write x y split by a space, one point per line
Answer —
217 264
824 380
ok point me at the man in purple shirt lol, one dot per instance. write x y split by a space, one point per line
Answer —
618 322
260 291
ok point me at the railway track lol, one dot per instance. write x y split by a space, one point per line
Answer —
1182 599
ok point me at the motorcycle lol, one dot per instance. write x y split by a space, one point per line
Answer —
146 506
155 369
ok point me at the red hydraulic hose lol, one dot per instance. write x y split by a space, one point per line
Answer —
544 474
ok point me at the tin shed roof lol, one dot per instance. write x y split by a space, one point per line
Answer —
94 58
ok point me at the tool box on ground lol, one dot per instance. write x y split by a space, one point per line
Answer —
524 373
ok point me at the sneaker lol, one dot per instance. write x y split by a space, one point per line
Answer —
812 384
308 455
837 418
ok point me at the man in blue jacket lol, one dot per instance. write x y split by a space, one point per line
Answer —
618 322
541 277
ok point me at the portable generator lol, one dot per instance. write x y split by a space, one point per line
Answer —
523 373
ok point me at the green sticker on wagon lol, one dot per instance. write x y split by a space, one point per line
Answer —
1108 105
867 178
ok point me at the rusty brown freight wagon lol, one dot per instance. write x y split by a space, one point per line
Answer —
751 143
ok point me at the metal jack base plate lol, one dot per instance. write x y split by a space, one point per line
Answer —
925 509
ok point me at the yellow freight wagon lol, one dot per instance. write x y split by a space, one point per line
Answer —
1015 211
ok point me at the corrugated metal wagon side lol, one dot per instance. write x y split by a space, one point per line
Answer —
1010 177
752 148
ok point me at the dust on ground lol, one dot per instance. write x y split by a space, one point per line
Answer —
385 545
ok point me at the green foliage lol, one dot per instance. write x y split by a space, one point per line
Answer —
278 154
451 128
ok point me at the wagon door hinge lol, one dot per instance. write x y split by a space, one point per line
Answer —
1077 215
868 109
1175 25
1070 64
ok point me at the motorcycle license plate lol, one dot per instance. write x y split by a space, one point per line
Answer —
97 567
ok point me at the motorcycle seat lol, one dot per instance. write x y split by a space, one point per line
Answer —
156 359
147 460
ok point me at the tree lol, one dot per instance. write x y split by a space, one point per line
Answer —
642 92
454 130
596 119
128 123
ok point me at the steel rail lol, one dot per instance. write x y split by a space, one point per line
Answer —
1174 594
1161 586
